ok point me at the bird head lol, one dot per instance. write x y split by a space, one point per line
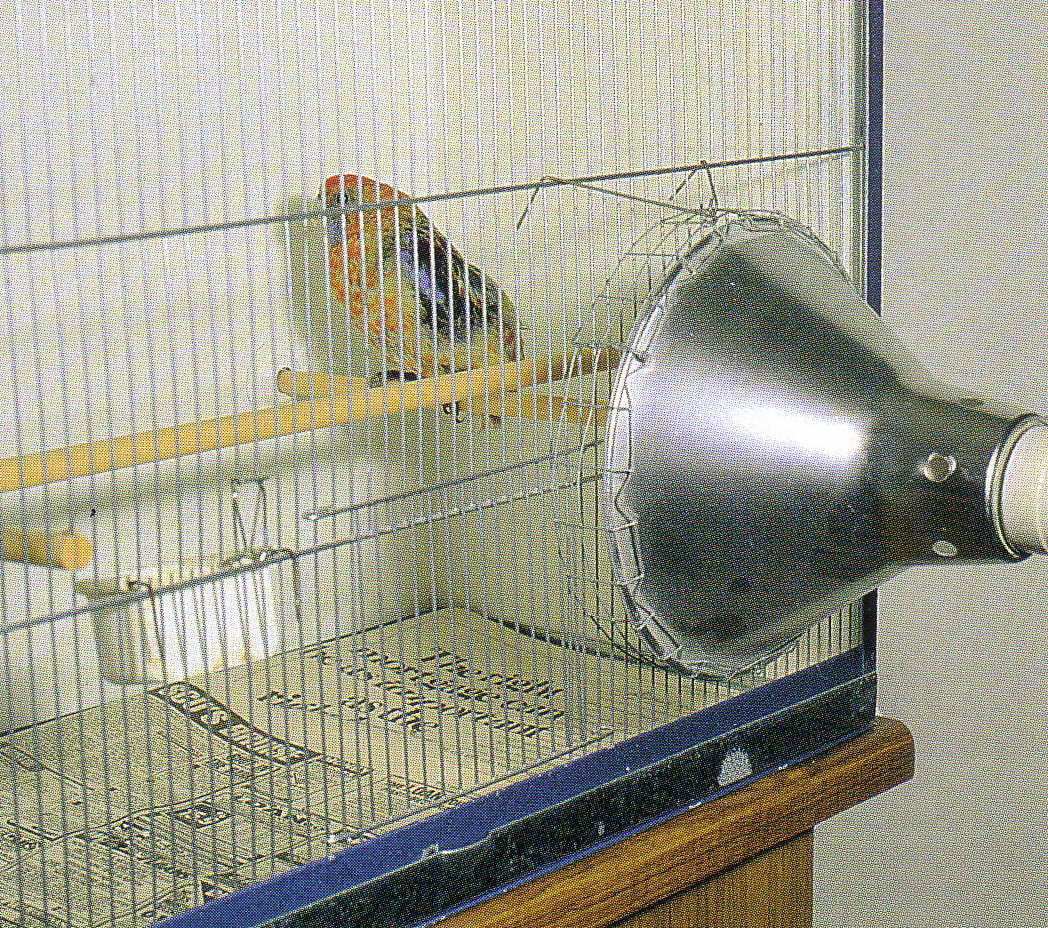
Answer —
346 190
343 190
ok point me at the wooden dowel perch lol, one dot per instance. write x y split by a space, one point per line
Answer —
538 407
323 407
501 390
65 550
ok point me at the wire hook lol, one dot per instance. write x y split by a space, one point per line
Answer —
544 181
259 518
713 205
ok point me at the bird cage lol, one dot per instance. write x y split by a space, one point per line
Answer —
314 318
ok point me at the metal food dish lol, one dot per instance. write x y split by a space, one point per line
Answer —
764 452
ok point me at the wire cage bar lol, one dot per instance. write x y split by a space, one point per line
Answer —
303 534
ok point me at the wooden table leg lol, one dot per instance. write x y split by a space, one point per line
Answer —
771 890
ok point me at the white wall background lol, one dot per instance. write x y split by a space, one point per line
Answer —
962 662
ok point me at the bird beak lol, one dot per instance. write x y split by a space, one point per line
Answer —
330 225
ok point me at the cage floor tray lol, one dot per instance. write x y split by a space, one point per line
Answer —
185 791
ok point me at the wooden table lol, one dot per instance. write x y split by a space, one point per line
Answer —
744 860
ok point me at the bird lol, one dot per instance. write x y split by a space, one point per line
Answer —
407 288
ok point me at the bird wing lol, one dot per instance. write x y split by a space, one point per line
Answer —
418 296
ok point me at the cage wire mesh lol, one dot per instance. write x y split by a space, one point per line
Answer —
274 585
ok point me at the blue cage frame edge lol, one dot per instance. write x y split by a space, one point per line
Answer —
419 873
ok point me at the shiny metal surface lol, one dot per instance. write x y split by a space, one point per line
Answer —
768 450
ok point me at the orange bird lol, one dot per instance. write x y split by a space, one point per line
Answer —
407 288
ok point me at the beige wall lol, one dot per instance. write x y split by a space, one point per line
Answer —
962 658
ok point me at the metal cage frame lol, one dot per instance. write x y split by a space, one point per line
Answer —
453 859
445 850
